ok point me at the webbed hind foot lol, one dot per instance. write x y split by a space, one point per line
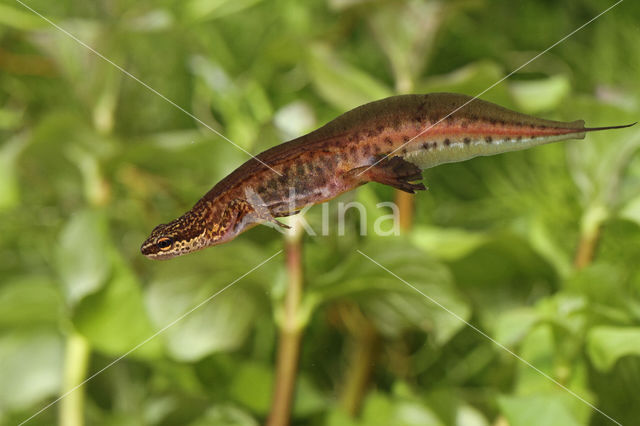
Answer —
395 171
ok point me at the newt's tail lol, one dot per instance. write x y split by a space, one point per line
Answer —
491 142
595 129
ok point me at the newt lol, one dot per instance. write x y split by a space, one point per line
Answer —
389 141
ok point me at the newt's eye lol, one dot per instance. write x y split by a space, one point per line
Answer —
165 243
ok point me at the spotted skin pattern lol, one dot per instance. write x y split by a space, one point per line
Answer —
387 141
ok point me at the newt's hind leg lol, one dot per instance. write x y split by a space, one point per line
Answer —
394 171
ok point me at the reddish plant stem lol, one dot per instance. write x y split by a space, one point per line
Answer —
290 337
404 202
361 359
364 336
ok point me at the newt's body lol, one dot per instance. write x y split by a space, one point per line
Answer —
414 131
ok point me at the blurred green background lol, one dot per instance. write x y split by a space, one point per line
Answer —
91 161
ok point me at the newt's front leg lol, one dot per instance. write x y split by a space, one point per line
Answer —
242 213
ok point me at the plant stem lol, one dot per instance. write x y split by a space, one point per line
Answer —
76 361
404 201
363 334
590 231
586 249
361 359
290 335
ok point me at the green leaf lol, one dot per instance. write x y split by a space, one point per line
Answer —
377 409
9 152
95 189
224 321
545 244
551 353
607 344
514 324
221 324
240 116
538 348
83 255
393 304
20 18
30 367
206 9
338 417
343 85
294 119
150 21
538 410
73 60
534 96
225 415
10 118
380 410
114 320
29 300
406 33
446 243
468 415
599 164
252 387
471 79
604 286
631 210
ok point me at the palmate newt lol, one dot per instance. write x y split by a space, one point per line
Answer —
387 141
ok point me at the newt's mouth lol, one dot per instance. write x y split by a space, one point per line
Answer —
150 249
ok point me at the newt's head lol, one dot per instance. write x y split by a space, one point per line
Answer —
202 226
180 236
199 228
